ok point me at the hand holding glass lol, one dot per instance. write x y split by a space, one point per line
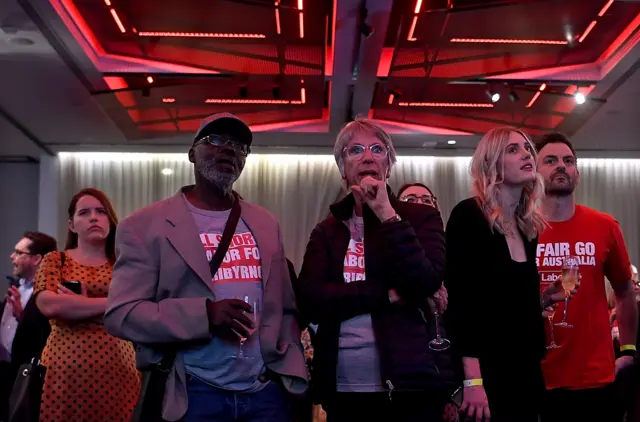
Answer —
250 329
439 343
550 314
570 274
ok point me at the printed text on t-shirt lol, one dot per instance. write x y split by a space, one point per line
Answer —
354 262
242 260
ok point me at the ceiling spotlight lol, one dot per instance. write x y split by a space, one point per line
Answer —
451 142
493 96
166 171
513 96
150 79
579 97
243 92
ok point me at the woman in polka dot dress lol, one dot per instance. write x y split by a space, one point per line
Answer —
91 376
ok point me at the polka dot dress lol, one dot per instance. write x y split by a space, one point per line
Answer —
91 375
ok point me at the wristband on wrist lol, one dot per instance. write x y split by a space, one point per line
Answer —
472 382
628 350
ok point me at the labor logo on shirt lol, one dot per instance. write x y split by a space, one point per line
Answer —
242 260
354 262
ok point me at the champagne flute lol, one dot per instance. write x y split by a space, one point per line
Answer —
553 344
254 317
439 343
570 270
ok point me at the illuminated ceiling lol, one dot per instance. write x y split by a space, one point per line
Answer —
429 66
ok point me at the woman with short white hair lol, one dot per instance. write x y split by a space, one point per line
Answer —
367 273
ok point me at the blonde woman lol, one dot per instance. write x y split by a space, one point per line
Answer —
495 305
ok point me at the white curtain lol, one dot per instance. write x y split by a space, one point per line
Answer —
298 189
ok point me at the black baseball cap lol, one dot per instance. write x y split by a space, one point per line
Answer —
225 123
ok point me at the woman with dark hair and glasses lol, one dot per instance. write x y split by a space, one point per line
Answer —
417 193
91 375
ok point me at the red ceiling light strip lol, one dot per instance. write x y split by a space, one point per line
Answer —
198 35
301 18
537 94
508 41
118 21
593 23
586 32
414 22
303 95
168 100
107 2
277 11
465 105
417 8
236 101
605 8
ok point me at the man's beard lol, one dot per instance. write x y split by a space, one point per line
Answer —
565 189
221 179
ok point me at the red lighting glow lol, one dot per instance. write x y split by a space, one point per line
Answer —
605 8
168 100
198 34
412 29
301 18
303 95
107 2
586 32
418 4
537 94
277 9
533 99
414 22
235 101
118 22
391 99
465 105
508 41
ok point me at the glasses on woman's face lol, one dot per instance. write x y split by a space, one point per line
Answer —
221 140
429 200
357 151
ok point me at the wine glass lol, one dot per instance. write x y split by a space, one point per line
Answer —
439 343
254 317
553 344
570 271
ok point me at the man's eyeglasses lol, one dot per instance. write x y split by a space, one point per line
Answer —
220 140
429 200
20 253
357 151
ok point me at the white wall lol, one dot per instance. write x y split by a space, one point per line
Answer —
19 190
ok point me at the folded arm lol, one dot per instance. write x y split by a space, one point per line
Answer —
416 257
324 300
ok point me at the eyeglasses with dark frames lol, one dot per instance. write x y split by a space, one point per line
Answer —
221 140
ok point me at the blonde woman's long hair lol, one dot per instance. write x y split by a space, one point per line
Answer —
487 172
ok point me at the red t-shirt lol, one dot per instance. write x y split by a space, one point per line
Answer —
586 358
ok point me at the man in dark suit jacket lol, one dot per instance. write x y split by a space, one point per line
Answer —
23 329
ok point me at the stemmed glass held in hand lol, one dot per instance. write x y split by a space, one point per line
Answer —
254 318
570 274
553 344
439 343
